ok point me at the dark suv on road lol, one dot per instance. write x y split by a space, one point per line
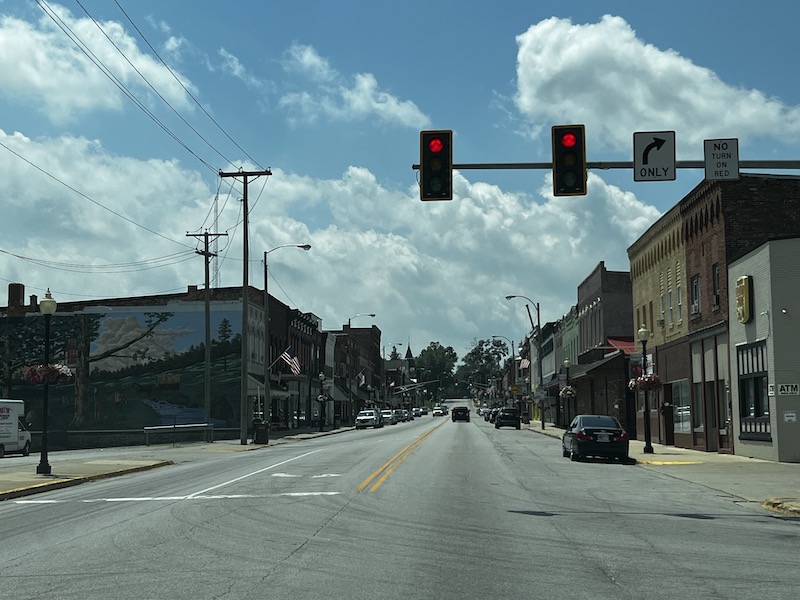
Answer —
459 413
507 417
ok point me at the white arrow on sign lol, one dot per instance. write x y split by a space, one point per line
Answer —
654 156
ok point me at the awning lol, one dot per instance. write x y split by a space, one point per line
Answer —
625 346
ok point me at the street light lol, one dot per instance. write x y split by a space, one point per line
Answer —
47 306
359 315
538 343
513 368
644 334
321 399
267 356
567 365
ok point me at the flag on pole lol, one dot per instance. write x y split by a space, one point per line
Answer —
290 358
361 379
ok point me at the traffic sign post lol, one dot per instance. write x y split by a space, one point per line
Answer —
721 159
654 156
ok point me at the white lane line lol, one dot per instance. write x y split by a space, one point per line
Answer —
183 498
288 460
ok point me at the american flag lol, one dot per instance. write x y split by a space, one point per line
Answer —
361 379
290 358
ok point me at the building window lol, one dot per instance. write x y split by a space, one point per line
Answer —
663 309
680 304
681 414
751 362
671 309
695 295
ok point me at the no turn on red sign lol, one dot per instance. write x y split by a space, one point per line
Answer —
721 159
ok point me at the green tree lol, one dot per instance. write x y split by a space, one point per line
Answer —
435 364
481 365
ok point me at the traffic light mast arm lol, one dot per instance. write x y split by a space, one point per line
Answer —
624 164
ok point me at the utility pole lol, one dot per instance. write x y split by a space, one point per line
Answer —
207 368
243 419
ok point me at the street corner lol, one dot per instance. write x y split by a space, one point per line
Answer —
784 506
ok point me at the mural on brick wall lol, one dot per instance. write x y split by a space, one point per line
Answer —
128 369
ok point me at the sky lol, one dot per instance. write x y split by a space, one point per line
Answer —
117 116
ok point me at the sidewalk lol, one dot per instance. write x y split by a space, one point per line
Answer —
775 486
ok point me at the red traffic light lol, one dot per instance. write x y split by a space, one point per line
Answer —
435 145
568 140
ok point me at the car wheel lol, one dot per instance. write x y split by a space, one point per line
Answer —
27 449
564 452
496 426
519 426
574 456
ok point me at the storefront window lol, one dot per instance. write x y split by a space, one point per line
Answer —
681 412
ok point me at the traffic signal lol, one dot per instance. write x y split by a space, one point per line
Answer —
569 160
436 165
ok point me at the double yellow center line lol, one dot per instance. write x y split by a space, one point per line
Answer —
379 476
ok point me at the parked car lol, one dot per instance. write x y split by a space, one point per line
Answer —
417 411
389 417
460 413
595 435
424 410
401 415
369 418
493 414
507 417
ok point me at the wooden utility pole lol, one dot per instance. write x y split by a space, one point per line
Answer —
243 408
207 369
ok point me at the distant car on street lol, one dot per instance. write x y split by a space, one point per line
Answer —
369 418
507 417
595 435
389 417
438 411
460 413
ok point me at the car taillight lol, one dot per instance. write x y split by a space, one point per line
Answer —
622 437
582 435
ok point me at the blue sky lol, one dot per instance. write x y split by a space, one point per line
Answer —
100 190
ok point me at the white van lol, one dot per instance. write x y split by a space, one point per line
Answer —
13 435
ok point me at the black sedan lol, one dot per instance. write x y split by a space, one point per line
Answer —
595 435
507 417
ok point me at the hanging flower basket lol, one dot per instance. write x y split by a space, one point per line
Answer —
53 373
645 383
567 392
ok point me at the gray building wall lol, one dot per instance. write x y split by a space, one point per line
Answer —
775 270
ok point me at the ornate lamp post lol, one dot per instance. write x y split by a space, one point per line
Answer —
47 306
644 335
322 400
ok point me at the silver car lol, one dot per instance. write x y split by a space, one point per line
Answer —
389 416
369 418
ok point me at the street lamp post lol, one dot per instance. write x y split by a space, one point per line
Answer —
538 343
321 401
47 306
567 365
267 345
644 335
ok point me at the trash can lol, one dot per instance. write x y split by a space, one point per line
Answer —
260 432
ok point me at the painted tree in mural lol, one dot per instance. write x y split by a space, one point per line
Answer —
86 329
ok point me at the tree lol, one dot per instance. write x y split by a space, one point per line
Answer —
481 364
436 363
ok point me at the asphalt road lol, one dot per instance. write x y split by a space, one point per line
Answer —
426 509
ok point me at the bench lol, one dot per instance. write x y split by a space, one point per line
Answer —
207 428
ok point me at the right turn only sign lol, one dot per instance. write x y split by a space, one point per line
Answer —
654 156
722 159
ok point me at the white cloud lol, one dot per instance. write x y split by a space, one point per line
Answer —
603 75
39 64
337 98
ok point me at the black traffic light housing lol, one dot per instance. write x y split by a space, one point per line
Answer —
436 165
569 160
